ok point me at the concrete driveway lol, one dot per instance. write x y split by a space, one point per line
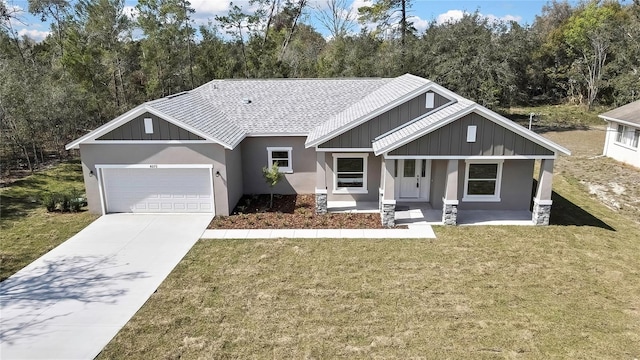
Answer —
72 301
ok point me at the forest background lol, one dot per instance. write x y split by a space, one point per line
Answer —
99 61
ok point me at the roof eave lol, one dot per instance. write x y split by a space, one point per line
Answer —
625 122
135 112
474 107
370 115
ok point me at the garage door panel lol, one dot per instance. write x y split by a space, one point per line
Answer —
170 190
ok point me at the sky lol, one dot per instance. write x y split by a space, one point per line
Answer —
422 12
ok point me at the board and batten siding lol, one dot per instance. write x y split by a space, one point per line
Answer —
162 130
362 135
492 139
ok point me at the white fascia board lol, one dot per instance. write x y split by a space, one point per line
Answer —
132 114
274 134
520 130
471 157
490 115
92 135
623 122
361 120
344 149
155 166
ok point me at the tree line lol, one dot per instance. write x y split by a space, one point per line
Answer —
99 61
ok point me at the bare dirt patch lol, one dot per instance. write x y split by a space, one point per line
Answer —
290 212
614 183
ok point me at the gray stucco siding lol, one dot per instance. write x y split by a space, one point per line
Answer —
373 180
492 139
104 154
516 189
235 176
162 130
255 157
362 135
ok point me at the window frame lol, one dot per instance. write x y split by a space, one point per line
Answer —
270 159
498 185
350 190
628 137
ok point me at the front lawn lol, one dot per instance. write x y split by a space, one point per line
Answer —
563 291
27 230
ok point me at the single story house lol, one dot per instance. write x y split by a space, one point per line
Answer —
623 133
384 140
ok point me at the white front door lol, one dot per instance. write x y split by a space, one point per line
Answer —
413 179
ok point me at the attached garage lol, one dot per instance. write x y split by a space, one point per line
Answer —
156 188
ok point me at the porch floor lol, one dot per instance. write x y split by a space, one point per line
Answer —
424 214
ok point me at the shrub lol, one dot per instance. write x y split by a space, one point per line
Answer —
76 200
50 201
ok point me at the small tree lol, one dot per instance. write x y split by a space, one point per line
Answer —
272 176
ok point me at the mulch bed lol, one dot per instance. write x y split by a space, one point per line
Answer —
290 212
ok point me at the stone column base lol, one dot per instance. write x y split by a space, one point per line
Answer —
450 212
388 213
541 212
321 201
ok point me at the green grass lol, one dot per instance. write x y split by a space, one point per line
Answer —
27 230
563 291
556 116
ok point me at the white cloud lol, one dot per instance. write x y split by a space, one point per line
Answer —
451 16
34 34
209 7
515 18
418 23
360 3
131 11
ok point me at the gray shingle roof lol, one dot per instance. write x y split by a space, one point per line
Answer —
275 106
629 113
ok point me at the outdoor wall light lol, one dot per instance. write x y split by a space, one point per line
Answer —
91 173
217 173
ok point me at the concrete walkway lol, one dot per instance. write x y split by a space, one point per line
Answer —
72 301
413 232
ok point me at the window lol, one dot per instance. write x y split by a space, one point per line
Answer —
628 136
482 181
282 157
350 173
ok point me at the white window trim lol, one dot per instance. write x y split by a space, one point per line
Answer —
483 198
628 133
283 169
471 133
430 100
148 125
363 189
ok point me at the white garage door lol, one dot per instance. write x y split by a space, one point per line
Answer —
157 190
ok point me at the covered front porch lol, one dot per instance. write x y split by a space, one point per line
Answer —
415 214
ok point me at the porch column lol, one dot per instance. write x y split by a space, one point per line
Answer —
321 183
542 200
388 203
450 200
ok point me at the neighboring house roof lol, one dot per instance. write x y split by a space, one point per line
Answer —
629 114
226 111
